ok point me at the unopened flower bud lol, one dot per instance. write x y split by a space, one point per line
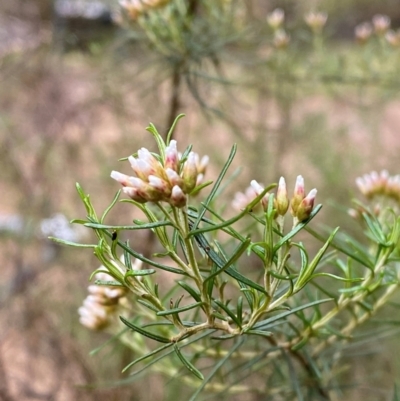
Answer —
189 173
282 200
381 23
298 195
171 156
161 185
178 198
121 178
393 38
281 39
201 164
275 18
363 32
306 206
258 189
145 190
316 20
133 193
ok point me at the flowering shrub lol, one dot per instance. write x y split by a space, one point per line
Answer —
248 302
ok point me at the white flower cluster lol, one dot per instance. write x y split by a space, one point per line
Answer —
169 180
100 306
382 183
301 205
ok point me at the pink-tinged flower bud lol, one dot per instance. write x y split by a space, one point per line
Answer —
282 200
393 38
140 168
133 193
316 20
363 32
306 206
189 173
199 179
145 190
281 39
275 18
173 177
381 23
121 178
152 166
258 189
171 156
298 196
178 198
202 164
161 185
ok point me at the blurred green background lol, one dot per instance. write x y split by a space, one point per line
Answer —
76 93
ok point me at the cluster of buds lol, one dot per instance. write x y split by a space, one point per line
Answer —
316 21
100 306
379 184
380 25
281 39
275 20
300 205
169 180
135 8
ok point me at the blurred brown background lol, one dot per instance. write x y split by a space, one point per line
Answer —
76 93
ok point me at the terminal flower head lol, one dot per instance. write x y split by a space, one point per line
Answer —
275 18
363 32
381 23
379 184
281 39
301 205
316 20
166 178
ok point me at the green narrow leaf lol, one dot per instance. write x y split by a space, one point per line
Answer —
248 294
179 310
375 229
206 247
148 305
155 352
114 201
193 292
216 368
171 130
216 185
235 256
239 310
109 283
298 228
144 226
160 143
188 365
150 261
267 322
347 280
70 243
144 332
144 272
260 333
226 309
342 245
